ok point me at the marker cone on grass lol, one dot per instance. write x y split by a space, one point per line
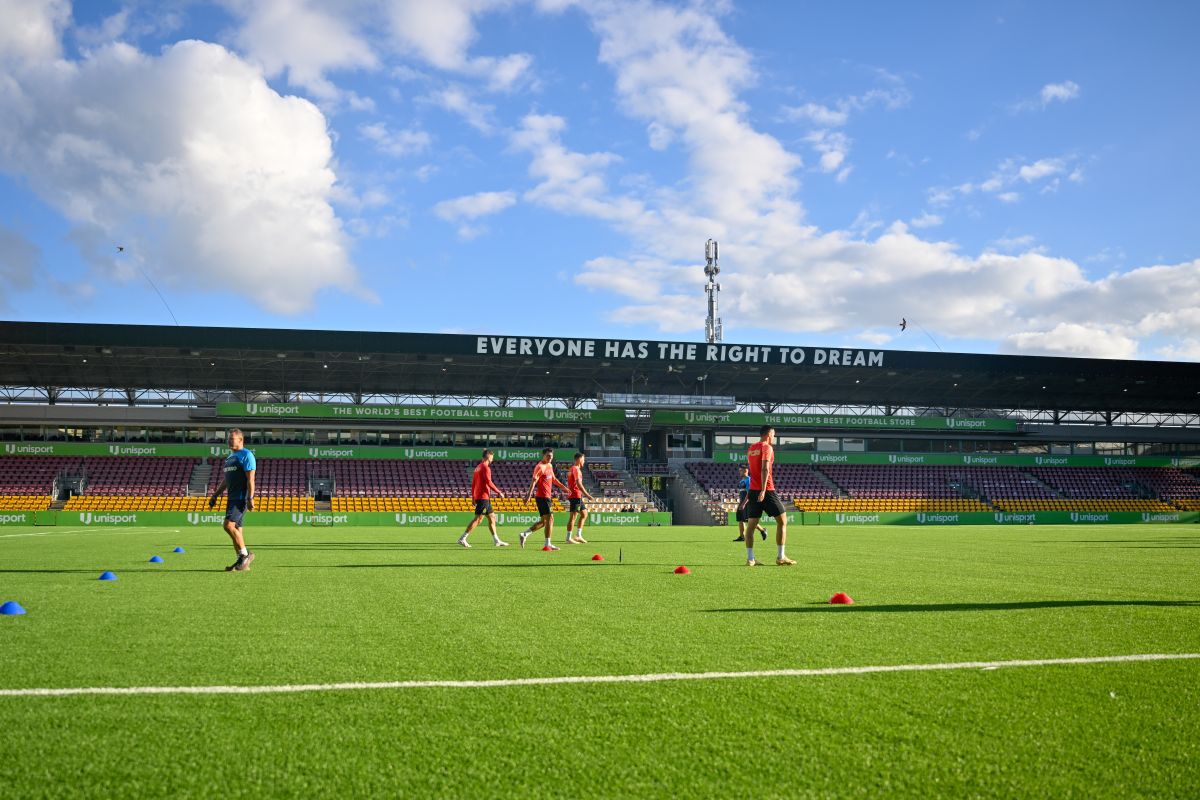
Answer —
156 559
178 550
12 609
597 557
108 576
841 599
682 570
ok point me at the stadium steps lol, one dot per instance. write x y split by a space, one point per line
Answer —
830 482
1043 484
692 503
200 477
322 505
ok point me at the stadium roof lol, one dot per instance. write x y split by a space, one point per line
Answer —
278 362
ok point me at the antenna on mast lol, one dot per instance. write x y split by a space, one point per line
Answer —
712 325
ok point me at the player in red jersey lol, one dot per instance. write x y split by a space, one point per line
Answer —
542 486
481 492
763 499
575 495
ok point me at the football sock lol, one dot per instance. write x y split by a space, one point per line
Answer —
243 552
781 555
749 553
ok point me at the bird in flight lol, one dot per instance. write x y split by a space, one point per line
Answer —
903 324
120 249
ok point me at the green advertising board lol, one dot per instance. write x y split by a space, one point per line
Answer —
268 451
962 459
755 420
934 518
417 413
182 519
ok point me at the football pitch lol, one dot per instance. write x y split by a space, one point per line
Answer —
326 610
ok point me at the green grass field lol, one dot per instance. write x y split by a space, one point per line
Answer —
370 604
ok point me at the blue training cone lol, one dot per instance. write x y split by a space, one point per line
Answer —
11 609
179 550
108 576
155 559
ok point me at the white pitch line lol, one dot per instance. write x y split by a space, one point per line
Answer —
576 679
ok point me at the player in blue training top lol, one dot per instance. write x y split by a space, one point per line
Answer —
239 479
743 496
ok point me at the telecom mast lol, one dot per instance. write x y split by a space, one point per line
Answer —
712 325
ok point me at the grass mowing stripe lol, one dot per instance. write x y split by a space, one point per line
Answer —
576 679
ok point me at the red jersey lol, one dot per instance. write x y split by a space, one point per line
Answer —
481 482
762 452
575 483
544 473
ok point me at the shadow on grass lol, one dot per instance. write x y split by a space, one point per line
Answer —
1163 543
96 572
821 607
547 565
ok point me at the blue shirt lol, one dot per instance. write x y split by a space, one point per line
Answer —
237 464
743 487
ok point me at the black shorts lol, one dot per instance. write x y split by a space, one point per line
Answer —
234 511
483 508
544 506
740 514
577 506
770 506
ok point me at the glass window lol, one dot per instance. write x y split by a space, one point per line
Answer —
695 441
614 442
854 445
1110 448
1032 447
917 445
1060 448
1084 449
675 441
828 445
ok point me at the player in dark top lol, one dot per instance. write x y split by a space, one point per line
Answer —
481 492
744 496
238 478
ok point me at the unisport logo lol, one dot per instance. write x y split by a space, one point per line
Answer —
8 519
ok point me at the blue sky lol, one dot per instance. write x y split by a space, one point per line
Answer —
1011 177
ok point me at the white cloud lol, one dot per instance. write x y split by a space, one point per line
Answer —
304 40
19 262
822 116
568 182
442 33
1059 92
1041 169
472 207
926 220
189 158
1072 339
1050 93
1009 174
30 30
833 147
395 143
1012 244
458 101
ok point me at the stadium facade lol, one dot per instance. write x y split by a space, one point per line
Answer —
663 419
